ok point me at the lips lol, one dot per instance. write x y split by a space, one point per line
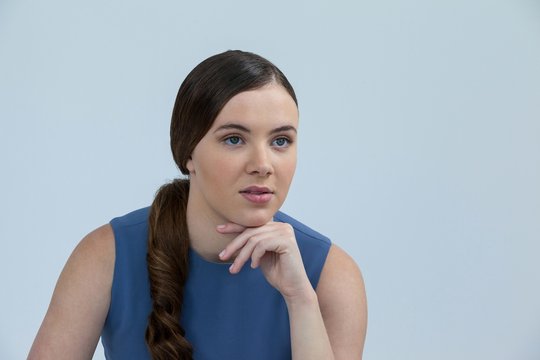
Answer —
257 190
257 194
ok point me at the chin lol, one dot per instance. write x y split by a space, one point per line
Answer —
255 218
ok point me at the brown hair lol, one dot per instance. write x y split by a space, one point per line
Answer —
202 95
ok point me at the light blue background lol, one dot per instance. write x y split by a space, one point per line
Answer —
419 149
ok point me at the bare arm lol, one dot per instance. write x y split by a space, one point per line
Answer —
80 302
329 323
309 338
342 300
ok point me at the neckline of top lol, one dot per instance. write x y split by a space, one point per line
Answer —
195 255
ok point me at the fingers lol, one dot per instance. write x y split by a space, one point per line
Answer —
244 254
260 251
255 242
230 228
255 247
237 243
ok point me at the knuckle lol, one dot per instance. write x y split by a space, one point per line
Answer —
259 252
255 239
288 228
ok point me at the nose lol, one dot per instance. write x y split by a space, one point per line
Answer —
259 162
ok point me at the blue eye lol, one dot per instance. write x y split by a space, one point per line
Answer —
281 142
233 140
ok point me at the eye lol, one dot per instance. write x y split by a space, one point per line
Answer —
232 140
281 142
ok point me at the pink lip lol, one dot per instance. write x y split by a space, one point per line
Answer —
256 189
257 194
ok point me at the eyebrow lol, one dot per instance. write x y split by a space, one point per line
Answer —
246 130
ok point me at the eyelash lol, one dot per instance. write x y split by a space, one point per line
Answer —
289 141
227 139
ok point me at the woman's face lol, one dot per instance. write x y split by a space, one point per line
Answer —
242 168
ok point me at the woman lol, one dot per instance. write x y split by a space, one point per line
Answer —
213 270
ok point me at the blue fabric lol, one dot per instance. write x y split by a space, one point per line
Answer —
225 316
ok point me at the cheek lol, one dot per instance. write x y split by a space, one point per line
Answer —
289 167
218 169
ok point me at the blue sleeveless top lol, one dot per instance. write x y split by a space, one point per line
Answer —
225 316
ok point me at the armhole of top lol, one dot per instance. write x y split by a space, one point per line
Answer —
114 291
322 262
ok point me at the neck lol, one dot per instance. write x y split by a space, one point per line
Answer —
203 236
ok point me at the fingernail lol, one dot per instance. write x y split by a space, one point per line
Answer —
231 267
221 226
221 254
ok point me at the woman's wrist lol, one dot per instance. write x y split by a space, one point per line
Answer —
309 339
302 298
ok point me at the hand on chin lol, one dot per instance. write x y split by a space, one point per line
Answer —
271 246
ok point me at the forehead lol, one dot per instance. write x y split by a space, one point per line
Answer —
270 105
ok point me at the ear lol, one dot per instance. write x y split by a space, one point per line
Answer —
189 166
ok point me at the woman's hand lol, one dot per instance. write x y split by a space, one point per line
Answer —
273 247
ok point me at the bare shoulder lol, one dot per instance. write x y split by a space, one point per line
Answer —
92 259
80 302
97 246
343 304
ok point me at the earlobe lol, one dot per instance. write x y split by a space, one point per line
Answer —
189 166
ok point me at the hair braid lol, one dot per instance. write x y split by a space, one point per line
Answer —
167 258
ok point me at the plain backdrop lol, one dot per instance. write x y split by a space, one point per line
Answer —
419 149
